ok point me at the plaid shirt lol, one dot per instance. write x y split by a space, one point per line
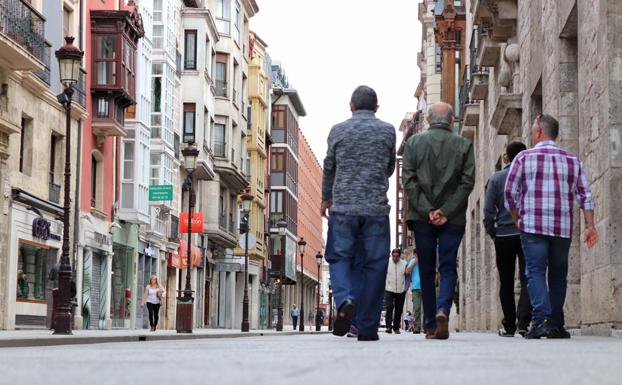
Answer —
542 184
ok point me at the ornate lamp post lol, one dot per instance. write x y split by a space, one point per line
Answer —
282 226
330 307
247 200
185 301
69 59
301 246
318 321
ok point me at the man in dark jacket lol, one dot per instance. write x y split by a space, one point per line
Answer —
501 228
438 175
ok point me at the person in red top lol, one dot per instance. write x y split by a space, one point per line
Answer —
539 193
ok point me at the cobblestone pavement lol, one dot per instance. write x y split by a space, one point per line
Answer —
467 358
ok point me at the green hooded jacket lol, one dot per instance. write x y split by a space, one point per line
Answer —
438 172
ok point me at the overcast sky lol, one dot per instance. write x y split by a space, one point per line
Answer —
328 47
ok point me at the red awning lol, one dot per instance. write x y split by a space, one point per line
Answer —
179 260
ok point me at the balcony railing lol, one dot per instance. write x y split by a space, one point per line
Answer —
54 193
24 25
45 74
464 93
80 94
221 88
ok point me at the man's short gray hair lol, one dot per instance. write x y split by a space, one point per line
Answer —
549 125
442 119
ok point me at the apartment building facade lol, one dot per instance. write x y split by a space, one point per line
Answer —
32 153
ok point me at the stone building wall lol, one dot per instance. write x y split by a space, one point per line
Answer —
570 66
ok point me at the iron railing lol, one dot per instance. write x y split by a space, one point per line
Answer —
24 25
464 92
476 42
45 73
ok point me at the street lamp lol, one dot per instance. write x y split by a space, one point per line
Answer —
282 226
247 200
301 246
185 301
69 59
330 307
318 322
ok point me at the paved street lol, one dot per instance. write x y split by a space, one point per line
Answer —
467 358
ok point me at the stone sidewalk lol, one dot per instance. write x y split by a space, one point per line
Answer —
40 337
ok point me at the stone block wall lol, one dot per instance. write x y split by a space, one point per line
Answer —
570 67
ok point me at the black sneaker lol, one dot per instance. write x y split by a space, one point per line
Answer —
344 318
368 338
559 333
504 333
537 332
522 331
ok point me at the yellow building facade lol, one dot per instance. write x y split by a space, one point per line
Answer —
255 170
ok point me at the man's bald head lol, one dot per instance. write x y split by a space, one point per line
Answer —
440 112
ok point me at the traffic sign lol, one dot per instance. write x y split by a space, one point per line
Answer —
251 241
161 192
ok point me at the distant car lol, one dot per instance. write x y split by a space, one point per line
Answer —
382 319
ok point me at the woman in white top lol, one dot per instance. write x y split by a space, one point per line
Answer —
152 296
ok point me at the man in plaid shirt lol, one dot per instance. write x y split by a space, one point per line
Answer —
539 192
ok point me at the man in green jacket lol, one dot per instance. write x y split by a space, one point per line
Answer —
438 176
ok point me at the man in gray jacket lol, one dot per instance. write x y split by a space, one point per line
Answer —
358 164
500 226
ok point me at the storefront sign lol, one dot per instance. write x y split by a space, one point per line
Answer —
179 260
230 267
197 222
41 228
102 239
162 192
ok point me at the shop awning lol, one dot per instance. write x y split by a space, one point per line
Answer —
179 259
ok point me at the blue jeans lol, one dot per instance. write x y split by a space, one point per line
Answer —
448 238
542 252
358 253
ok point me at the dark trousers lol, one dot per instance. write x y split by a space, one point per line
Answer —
295 322
507 250
546 268
154 313
357 249
393 306
430 240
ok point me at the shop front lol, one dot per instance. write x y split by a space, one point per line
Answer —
34 249
147 266
123 277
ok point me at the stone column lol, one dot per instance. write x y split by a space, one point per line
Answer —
78 319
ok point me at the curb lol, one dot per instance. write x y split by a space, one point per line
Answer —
77 340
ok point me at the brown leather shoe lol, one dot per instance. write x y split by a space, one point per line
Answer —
442 326
416 330
430 335
389 331
397 331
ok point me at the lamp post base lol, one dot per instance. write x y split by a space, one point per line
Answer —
185 306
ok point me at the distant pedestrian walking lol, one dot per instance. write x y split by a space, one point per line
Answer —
540 191
438 176
395 292
295 314
412 268
358 164
152 296
499 225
